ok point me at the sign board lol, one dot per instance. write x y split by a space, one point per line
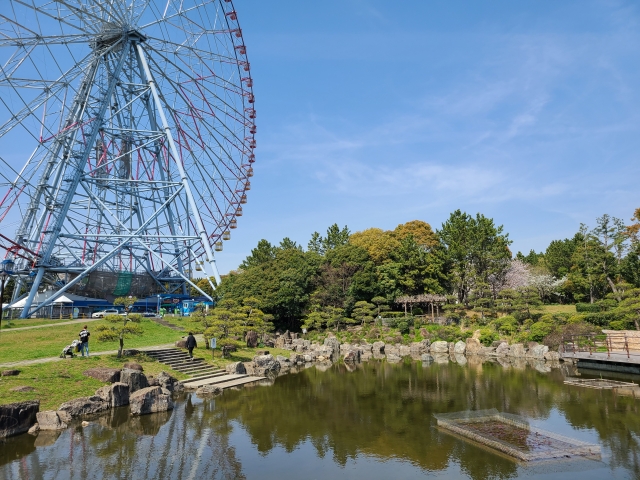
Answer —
213 343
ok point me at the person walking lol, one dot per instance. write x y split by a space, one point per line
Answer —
191 344
84 340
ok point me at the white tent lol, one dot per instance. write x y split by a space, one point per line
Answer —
67 298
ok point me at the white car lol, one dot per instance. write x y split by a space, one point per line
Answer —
103 313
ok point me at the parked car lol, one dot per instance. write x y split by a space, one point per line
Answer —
149 314
103 313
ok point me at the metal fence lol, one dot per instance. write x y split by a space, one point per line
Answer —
605 343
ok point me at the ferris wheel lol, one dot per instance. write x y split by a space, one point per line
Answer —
127 137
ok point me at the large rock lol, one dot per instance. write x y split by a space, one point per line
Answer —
134 378
503 349
426 359
166 381
352 356
181 344
84 406
417 348
404 350
487 351
22 389
150 400
392 349
334 343
107 375
473 346
459 348
115 395
133 366
517 350
10 373
250 368
296 359
50 420
252 339
208 390
552 356
393 358
16 418
460 359
377 347
265 365
440 347
236 368
538 351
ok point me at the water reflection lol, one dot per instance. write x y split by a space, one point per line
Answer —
351 423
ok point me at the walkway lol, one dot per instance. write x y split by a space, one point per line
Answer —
613 362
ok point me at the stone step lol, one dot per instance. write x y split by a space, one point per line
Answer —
170 356
185 361
193 371
238 382
213 381
206 376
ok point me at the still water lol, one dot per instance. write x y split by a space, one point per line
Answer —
375 422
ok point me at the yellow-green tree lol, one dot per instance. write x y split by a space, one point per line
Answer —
121 326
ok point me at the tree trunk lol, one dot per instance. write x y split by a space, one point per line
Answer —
121 345
616 293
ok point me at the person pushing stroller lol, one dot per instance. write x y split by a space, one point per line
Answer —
84 340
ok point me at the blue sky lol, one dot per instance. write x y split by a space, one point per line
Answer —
374 113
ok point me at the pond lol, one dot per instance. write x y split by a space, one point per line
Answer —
372 423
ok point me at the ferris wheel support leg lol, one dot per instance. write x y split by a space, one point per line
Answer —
32 293
213 273
204 238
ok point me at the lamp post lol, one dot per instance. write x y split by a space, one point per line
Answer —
6 269
158 307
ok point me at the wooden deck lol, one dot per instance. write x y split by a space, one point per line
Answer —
222 381
613 362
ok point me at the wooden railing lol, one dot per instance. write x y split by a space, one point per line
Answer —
619 343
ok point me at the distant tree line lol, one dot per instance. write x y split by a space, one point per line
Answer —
343 277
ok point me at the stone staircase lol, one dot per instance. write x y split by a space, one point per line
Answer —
201 373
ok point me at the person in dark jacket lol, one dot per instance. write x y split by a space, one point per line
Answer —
84 341
191 344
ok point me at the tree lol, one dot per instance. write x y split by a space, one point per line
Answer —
121 326
475 250
629 308
380 303
227 325
262 254
559 253
363 312
378 243
421 232
335 237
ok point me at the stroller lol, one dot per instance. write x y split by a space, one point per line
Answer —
70 349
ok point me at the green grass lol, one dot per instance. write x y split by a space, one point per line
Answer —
558 309
49 342
30 322
58 382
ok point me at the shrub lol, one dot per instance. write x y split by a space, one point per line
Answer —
539 330
488 336
601 319
622 325
507 325
587 308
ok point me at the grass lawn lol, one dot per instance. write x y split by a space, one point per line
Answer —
49 342
58 382
31 322
558 309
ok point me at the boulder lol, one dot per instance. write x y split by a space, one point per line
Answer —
181 344
377 347
426 359
236 368
335 345
130 352
166 381
417 348
552 356
84 406
250 368
308 358
441 358
115 395
16 418
251 338
477 334
452 346
366 348
503 349
296 359
208 390
487 351
107 375
22 389
352 356
459 348
404 350
133 366
34 429
134 378
440 347
517 350
393 358
149 400
10 373
49 420
460 359
473 346
538 351
265 365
